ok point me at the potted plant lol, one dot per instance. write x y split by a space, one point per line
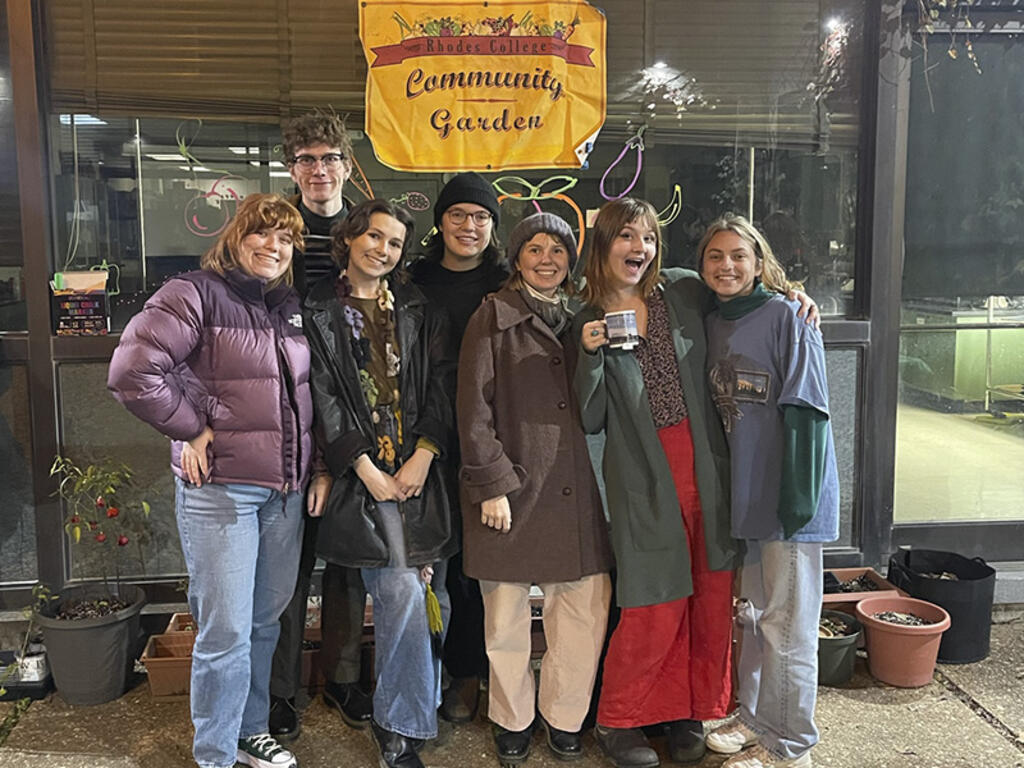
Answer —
902 636
837 647
90 632
25 672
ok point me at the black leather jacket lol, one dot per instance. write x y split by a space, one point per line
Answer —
350 533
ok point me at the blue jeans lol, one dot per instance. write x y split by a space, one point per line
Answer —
780 602
408 671
241 544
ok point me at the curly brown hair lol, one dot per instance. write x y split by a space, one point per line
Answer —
322 126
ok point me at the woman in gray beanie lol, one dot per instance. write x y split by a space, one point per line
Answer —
532 513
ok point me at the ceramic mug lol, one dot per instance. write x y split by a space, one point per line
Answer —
621 329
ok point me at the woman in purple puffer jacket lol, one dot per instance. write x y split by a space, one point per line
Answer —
217 361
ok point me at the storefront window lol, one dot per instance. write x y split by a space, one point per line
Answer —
191 175
12 283
961 413
94 427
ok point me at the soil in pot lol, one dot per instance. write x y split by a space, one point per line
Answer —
837 647
900 654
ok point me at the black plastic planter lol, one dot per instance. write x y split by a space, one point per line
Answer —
838 655
967 599
90 658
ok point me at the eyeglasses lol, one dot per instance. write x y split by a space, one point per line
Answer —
457 216
331 161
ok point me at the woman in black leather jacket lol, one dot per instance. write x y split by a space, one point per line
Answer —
382 381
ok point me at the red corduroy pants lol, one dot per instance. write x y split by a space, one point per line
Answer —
671 661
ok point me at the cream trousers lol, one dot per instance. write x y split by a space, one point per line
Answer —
575 619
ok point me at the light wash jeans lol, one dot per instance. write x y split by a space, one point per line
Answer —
780 602
241 544
408 671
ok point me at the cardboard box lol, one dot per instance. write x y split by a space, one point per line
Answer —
80 303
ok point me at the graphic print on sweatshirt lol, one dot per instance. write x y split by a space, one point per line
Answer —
733 381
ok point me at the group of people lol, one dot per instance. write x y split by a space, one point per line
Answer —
423 429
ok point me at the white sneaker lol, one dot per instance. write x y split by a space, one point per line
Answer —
263 751
759 757
730 738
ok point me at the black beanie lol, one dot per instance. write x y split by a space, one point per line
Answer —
467 188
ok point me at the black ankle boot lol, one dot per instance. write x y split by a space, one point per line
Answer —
396 751
355 706
284 719
565 745
626 747
512 746
686 741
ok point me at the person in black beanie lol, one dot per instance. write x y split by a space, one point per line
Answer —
461 265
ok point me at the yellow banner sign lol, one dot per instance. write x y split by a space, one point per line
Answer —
483 86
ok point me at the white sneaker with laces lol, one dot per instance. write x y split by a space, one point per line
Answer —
263 751
759 757
730 738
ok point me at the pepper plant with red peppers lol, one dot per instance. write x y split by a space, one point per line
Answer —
101 500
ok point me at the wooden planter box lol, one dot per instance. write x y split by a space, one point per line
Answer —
847 601
181 622
168 662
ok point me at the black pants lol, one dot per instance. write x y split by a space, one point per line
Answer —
465 654
341 620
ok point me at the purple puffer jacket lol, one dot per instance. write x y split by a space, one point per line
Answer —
207 349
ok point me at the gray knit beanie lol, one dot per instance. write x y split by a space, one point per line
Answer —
547 223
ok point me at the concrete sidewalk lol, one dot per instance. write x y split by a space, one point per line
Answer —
969 716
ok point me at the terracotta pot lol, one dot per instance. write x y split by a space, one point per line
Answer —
900 655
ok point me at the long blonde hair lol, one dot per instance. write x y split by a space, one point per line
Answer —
256 212
613 216
773 275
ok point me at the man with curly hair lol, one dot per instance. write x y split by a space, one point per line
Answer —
318 152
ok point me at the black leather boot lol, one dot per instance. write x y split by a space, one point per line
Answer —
686 741
513 747
355 706
284 719
565 745
626 747
396 751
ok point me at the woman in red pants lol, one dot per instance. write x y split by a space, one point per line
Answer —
666 470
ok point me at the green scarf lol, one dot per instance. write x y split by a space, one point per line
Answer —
736 308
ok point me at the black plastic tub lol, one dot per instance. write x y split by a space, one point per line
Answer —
967 599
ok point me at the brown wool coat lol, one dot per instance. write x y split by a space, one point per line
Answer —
520 435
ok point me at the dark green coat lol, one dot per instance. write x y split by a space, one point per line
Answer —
648 536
